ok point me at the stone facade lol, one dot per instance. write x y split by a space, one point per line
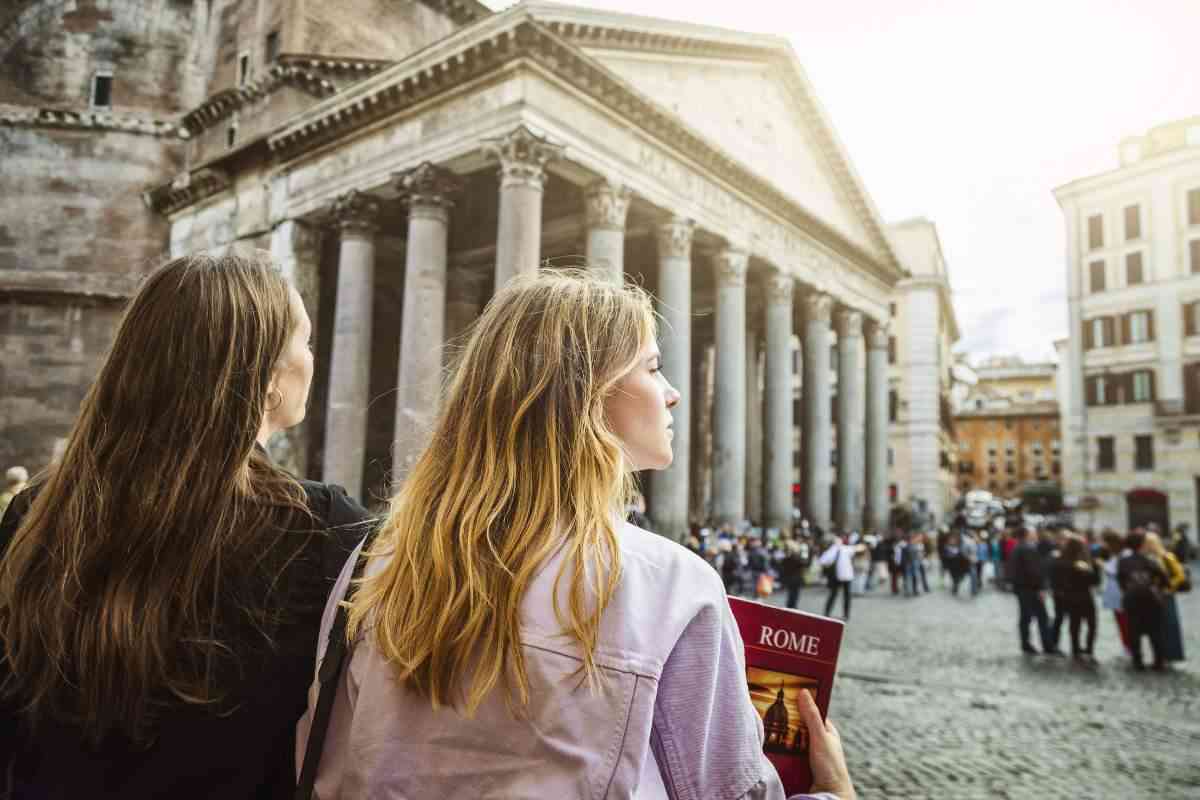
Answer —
1130 368
922 441
459 147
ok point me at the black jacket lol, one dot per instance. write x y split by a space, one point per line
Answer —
246 753
1025 567
1074 579
1143 584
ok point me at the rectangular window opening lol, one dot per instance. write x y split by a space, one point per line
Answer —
243 69
1143 452
272 47
1095 226
1106 455
231 136
102 90
1193 205
1096 276
1133 269
1194 255
1133 223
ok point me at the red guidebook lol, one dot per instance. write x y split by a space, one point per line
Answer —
787 652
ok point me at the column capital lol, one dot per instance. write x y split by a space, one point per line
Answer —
731 265
426 189
523 156
877 334
779 287
607 204
818 307
675 238
356 212
849 323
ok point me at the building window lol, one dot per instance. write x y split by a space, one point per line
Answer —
1054 446
991 452
1096 276
1100 394
1193 204
1141 328
1106 454
1012 485
892 310
272 48
231 135
102 90
891 457
1056 468
893 405
1095 225
1143 452
243 69
991 486
891 349
1133 269
1010 469
1143 386
1194 255
1133 223
1010 450
991 469
1191 318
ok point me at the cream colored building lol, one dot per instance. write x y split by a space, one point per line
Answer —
922 450
1130 368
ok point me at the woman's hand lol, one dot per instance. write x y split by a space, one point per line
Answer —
825 755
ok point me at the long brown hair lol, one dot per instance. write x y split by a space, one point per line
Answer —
139 553
521 462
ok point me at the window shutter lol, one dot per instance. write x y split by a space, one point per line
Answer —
1189 319
1126 332
1153 388
1088 344
1110 331
1150 325
1089 391
1126 382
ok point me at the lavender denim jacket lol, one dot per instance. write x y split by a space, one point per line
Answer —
675 721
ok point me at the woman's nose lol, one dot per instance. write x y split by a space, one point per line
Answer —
673 397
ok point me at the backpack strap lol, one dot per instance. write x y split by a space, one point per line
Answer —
328 674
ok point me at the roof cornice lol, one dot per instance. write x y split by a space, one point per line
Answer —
34 117
187 189
461 12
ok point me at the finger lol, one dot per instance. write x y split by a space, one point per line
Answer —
831 729
810 712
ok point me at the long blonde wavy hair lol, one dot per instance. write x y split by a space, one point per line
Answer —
521 462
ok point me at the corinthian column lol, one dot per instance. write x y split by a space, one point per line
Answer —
356 215
818 428
427 190
669 487
778 417
877 427
850 421
523 157
729 412
607 206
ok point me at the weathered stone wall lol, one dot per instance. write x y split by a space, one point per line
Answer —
72 218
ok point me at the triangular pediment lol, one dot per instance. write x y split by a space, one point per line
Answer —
744 109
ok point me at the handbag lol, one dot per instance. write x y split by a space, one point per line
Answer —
766 585
328 674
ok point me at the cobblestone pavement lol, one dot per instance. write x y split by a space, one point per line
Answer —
935 700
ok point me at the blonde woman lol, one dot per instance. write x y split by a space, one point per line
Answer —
1172 628
513 637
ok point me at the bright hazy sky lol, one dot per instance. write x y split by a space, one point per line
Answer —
969 112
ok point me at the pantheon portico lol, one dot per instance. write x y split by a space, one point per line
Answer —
694 161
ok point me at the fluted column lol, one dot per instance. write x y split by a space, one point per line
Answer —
777 436
818 427
729 411
850 421
669 487
877 427
754 426
607 205
426 189
356 215
523 157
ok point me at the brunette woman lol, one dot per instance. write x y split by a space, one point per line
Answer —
162 584
513 635
1073 575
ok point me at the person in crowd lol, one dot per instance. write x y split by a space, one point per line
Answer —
162 583
921 556
838 563
941 542
794 568
1110 597
895 547
1172 634
1143 585
1050 548
15 480
733 566
758 563
507 610
1025 574
907 558
1180 545
1012 538
952 561
880 556
983 556
968 551
1073 576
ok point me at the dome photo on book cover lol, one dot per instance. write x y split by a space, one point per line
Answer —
776 696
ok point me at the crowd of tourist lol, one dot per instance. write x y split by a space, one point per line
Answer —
1137 576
